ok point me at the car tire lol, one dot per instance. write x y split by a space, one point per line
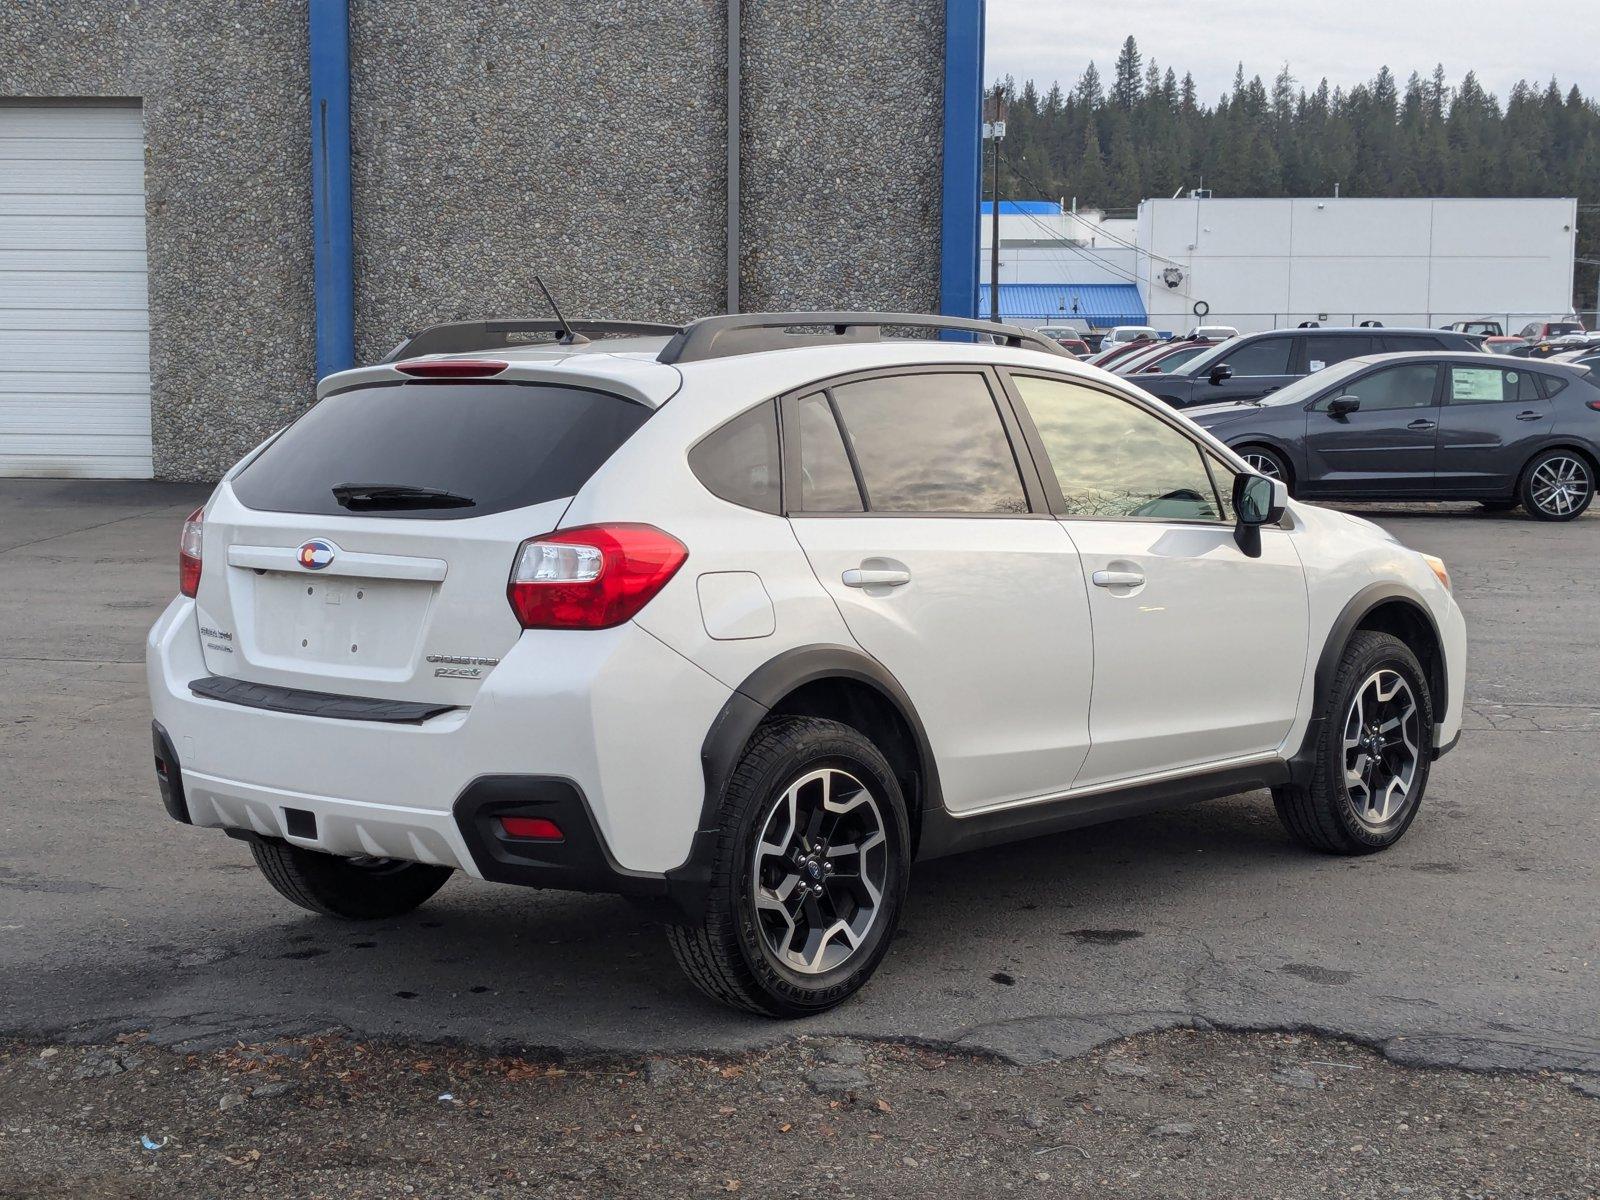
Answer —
358 889
1557 485
1266 461
794 922
1350 805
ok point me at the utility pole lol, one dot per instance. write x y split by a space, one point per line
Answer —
994 131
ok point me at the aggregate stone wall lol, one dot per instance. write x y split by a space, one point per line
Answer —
579 140
842 154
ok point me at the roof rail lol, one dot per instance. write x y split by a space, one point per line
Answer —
749 333
456 336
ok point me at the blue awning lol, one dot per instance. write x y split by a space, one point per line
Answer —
1095 305
1021 208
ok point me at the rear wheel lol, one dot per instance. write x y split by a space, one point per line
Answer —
1373 754
1557 486
361 889
809 876
1264 461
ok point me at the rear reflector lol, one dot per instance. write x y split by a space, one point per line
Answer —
451 368
535 829
591 577
189 544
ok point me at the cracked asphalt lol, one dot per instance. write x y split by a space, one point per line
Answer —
1474 943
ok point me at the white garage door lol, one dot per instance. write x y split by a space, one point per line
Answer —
74 319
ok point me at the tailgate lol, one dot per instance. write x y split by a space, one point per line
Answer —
395 609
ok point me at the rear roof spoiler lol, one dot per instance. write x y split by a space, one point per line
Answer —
457 336
751 333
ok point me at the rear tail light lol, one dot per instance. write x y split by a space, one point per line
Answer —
189 552
1595 404
451 368
591 577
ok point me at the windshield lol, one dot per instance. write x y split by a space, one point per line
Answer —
438 451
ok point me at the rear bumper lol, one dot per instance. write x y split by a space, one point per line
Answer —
613 713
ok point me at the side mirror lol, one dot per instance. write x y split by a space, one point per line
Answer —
1257 501
1343 406
1220 372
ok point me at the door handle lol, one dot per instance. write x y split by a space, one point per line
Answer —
860 577
1529 415
1110 579
1422 424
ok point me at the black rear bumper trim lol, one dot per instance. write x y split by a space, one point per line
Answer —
169 775
314 704
580 862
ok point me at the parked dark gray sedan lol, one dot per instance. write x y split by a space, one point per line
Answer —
1427 426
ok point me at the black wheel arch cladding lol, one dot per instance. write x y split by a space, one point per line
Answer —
809 681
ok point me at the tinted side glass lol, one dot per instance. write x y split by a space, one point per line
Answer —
501 445
1408 386
1113 459
1325 351
1552 384
1491 385
931 443
739 461
826 483
1397 342
1266 356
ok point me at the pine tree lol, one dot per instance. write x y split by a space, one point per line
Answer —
1153 135
1125 90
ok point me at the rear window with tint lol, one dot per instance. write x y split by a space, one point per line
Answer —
499 445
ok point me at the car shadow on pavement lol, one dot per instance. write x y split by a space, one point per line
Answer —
499 965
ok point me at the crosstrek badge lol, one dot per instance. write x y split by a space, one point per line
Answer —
316 554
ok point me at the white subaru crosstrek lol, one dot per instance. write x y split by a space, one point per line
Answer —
742 619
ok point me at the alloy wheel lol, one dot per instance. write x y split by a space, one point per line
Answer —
1263 464
819 871
1560 485
1381 747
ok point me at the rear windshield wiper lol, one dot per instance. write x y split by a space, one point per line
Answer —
371 496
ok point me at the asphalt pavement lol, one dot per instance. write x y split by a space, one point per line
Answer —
1474 942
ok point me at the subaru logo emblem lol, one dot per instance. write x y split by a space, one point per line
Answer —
316 554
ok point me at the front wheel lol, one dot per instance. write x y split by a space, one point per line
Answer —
1373 753
1264 461
359 889
809 876
1557 486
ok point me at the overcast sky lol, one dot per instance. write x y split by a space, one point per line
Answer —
1346 40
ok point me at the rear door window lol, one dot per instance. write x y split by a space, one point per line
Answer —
1399 342
1491 385
443 451
930 443
825 480
1323 352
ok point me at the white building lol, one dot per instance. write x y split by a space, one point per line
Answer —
1266 263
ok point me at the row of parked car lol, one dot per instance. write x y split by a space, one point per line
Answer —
1374 413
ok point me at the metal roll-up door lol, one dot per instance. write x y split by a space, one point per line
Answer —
74 314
